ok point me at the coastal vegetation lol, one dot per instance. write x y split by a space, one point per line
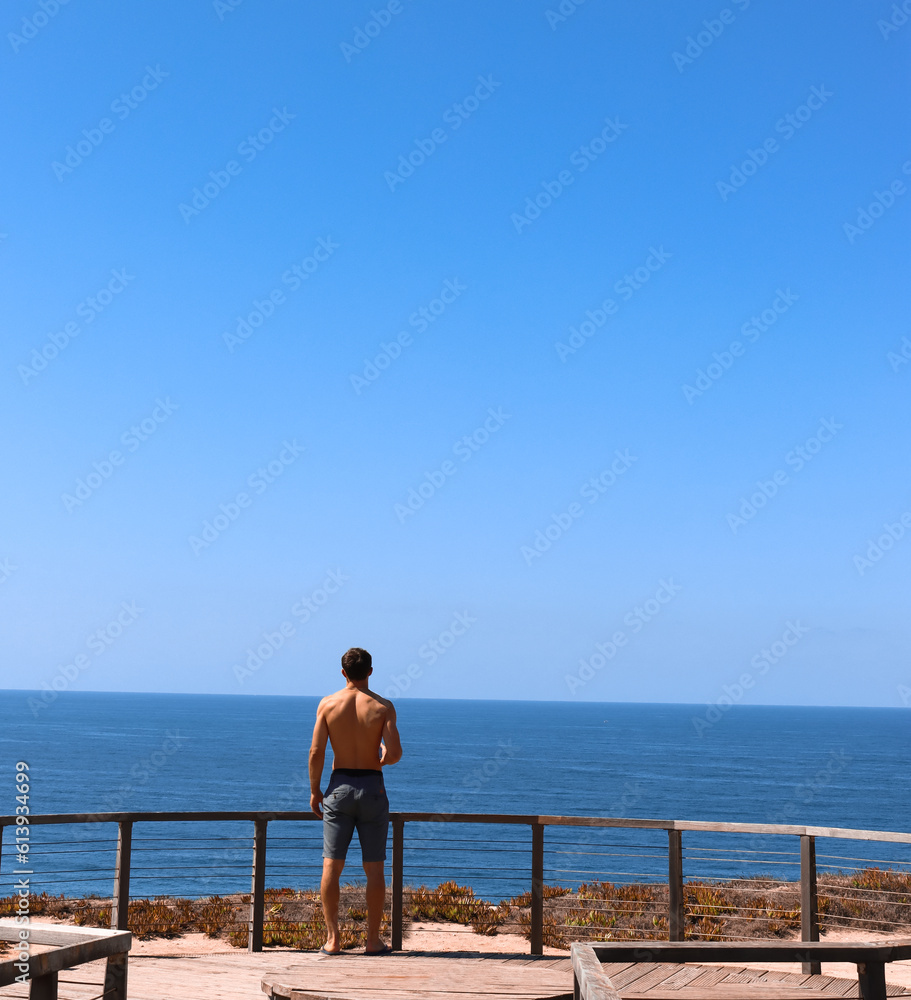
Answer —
873 899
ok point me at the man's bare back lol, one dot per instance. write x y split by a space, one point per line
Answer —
360 725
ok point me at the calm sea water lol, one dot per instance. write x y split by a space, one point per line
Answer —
137 752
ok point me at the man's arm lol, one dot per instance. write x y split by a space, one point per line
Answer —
317 759
392 745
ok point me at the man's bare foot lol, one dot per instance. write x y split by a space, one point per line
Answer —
332 946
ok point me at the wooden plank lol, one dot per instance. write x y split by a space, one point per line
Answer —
773 976
59 934
841 988
501 818
410 994
710 976
258 888
820 982
120 904
589 980
624 981
656 977
115 977
43 987
684 975
398 866
809 904
351 977
871 977
743 976
734 991
798 979
676 910
615 968
755 951
68 956
696 825
222 816
537 890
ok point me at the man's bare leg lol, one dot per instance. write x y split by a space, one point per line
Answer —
376 900
328 890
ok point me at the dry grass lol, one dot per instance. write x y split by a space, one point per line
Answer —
454 903
871 899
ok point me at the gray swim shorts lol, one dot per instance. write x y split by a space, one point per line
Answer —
355 799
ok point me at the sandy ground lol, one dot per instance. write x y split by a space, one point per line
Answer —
420 936
443 937
425 936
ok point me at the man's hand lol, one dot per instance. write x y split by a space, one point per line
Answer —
316 802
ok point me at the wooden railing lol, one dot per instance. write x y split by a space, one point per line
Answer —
676 829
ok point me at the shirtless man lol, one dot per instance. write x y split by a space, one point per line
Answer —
360 725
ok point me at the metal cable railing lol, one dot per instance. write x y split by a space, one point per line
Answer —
566 878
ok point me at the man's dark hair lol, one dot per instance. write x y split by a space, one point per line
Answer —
357 663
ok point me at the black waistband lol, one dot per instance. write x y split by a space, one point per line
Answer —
356 772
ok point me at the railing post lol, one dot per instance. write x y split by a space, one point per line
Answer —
676 925
398 864
537 889
120 904
115 977
43 987
809 902
258 888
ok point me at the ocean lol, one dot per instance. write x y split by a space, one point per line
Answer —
106 752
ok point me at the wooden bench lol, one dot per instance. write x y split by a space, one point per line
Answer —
414 975
590 982
68 947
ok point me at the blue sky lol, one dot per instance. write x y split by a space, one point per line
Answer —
520 232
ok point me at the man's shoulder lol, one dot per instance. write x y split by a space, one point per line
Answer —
385 702
331 699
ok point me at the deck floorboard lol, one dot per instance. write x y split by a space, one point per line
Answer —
433 976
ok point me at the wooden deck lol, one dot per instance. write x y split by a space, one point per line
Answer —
673 981
294 975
